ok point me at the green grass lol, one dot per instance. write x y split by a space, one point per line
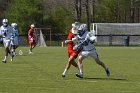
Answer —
41 72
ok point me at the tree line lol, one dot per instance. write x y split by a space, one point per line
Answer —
59 14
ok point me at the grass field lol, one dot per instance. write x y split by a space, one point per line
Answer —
41 72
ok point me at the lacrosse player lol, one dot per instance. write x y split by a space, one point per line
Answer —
31 38
72 54
87 48
6 34
15 37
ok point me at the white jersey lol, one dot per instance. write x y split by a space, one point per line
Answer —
6 32
88 45
15 37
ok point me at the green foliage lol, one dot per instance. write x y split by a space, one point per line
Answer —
106 11
58 20
60 15
24 12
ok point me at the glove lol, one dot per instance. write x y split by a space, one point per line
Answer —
75 39
66 41
32 39
75 47
78 47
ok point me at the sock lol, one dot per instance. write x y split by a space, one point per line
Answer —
81 72
5 58
64 71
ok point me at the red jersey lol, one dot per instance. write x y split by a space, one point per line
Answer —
30 33
70 44
71 52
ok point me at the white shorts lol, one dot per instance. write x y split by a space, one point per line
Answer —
6 42
15 41
92 53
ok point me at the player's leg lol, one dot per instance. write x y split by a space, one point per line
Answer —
75 55
71 61
31 45
14 49
80 66
15 45
34 44
98 61
11 52
68 65
95 56
6 46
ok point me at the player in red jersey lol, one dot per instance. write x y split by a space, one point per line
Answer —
72 54
31 38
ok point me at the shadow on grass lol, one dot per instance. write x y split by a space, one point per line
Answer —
118 79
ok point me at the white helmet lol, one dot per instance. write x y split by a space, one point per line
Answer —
5 22
82 28
32 25
74 31
75 24
14 25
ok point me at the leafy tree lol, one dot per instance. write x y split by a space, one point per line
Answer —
24 12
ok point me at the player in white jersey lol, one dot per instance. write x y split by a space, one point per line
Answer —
86 45
15 37
6 33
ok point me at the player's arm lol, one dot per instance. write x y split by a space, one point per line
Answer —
79 46
74 40
0 33
91 37
1 36
68 41
29 35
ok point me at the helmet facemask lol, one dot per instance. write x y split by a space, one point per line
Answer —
5 22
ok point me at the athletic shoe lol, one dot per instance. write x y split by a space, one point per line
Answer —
11 59
79 75
12 56
63 75
107 72
4 61
30 52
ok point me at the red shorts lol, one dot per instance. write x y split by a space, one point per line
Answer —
31 42
73 53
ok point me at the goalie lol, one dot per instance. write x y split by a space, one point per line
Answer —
87 48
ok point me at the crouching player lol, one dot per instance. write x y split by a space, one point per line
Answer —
87 48
15 37
72 54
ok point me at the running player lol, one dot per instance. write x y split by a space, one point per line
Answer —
6 33
72 54
87 49
15 37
